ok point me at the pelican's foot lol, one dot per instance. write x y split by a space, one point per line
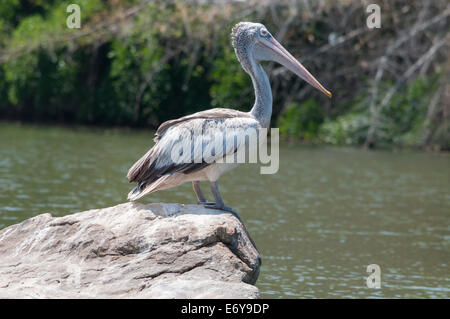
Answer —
213 205
206 203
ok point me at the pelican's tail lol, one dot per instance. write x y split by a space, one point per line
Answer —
135 193
144 188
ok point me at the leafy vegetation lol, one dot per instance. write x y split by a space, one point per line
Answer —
139 63
302 121
402 122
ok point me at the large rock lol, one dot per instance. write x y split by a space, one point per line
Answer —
129 251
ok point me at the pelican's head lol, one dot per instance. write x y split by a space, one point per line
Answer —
252 42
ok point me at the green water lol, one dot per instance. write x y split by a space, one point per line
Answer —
318 222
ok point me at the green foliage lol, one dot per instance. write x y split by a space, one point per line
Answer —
400 122
163 63
8 10
301 120
350 129
134 63
37 81
405 115
118 81
232 87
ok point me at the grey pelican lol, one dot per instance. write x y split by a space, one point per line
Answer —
157 170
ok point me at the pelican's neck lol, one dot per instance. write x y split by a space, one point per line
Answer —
262 109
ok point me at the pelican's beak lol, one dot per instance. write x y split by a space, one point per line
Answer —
283 57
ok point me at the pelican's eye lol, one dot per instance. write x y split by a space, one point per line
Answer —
263 32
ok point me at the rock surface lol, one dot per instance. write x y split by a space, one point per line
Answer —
129 251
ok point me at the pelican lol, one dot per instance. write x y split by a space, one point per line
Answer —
157 170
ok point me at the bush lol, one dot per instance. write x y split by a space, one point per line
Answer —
141 63
301 121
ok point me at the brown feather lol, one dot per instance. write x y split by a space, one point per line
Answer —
143 170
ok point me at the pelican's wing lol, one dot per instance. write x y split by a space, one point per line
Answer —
217 113
190 145
139 170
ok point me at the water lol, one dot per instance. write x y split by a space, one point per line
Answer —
318 222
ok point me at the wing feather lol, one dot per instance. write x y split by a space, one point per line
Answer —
139 171
216 113
178 143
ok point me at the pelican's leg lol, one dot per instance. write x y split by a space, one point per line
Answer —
218 197
219 201
198 192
